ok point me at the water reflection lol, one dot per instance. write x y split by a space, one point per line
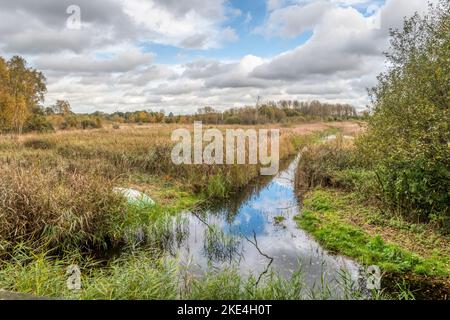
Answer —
247 232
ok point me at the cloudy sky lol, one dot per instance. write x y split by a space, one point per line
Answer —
179 55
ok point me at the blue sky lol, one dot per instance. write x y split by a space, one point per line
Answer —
183 55
252 14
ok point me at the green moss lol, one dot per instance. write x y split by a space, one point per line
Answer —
322 217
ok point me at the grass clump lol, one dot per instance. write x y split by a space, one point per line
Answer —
334 164
279 219
135 277
59 209
42 144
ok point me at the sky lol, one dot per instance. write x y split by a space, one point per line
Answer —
178 56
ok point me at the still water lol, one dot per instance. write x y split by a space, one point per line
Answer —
255 232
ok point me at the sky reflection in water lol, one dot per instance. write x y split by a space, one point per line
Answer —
232 227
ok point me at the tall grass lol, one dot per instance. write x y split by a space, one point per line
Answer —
55 207
143 276
336 164
57 188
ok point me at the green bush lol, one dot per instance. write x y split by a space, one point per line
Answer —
407 142
70 122
39 123
91 123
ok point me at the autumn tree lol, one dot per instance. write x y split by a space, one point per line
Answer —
62 107
22 91
5 96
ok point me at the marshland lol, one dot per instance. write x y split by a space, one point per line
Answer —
59 208
92 205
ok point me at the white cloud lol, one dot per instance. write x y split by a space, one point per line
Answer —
342 43
344 53
122 62
103 66
190 24
295 19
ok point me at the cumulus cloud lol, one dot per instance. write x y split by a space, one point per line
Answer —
344 42
123 62
190 23
107 66
295 19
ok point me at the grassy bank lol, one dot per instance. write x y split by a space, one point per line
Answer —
404 251
342 210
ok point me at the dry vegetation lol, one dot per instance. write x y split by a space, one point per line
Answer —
57 188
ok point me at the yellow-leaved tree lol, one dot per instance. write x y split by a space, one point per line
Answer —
22 91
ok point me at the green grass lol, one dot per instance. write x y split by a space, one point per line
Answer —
142 275
136 276
323 218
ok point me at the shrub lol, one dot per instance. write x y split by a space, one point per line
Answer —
320 162
90 123
39 123
70 122
407 139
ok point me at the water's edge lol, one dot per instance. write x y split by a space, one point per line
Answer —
255 232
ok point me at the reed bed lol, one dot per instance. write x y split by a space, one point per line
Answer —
56 189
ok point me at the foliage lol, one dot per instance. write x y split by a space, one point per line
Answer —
39 123
22 89
407 139
61 107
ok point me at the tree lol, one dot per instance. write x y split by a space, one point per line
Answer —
22 91
62 107
5 96
408 134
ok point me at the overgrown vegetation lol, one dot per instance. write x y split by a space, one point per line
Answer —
407 141
392 206
327 216
401 162
143 275
57 189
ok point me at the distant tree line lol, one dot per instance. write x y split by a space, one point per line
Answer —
282 111
271 112
22 93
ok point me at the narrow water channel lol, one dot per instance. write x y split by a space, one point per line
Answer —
256 232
